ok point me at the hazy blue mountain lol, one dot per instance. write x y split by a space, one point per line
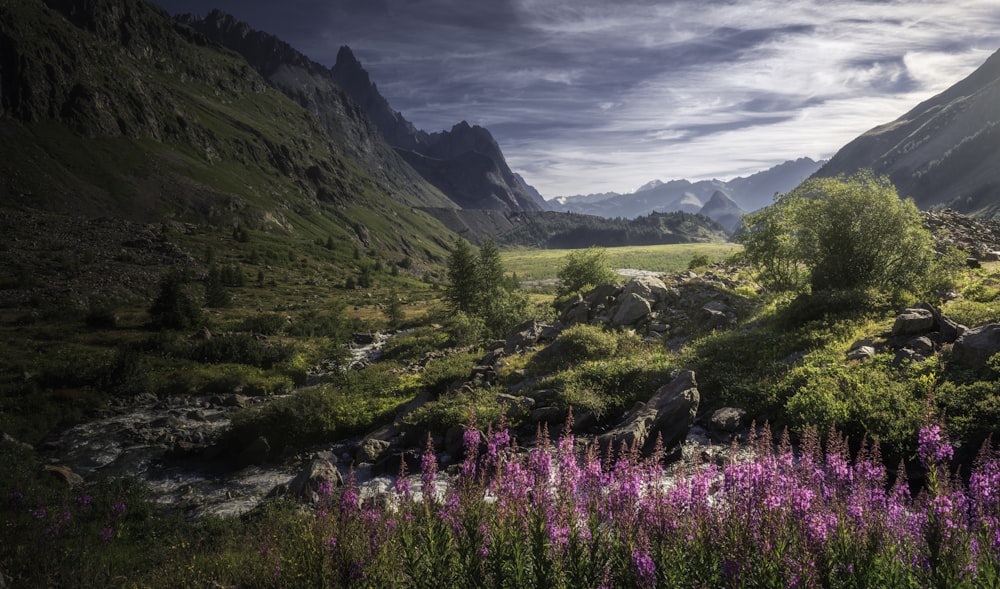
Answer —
746 194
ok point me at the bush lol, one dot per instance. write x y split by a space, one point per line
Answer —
580 343
363 400
584 269
238 348
846 233
439 374
458 408
266 324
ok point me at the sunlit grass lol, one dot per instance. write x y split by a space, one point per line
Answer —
544 264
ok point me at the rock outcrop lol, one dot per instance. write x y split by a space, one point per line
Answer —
668 415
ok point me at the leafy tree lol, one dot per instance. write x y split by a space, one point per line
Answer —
584 268
394 311
840 234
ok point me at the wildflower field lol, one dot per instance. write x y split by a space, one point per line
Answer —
560 515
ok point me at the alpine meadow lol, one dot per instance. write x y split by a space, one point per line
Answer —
260 329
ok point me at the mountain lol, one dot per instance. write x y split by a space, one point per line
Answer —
746 194
312 86
465 163
944 152
721 209
110 107
757 190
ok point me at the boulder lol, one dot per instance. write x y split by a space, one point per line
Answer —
549 415
307 484
648 287
977 345
631 309
524 336
949 329
601 294
861 353
370 450
728 419
916 321
922 345
669 414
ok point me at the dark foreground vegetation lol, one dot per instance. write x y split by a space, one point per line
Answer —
882 474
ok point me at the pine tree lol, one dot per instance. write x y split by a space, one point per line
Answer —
216 295
463 278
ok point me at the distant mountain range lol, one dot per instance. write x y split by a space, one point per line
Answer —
114 108
722 201
943 153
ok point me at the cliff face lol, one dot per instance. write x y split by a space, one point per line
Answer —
944 152
111 107
312 86
442 158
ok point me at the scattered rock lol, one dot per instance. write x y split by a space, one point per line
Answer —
977 345
861 353
914 321
370 450
307 484
631 308
922 345
728 419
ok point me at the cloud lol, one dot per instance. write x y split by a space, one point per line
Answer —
590 96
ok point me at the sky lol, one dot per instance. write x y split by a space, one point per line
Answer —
588 96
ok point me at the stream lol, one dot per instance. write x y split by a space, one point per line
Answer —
169 444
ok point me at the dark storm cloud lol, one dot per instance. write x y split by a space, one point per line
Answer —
590 96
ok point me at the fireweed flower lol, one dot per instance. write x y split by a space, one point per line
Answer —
118 508
645 568
40 513
428 468
106 533
933 449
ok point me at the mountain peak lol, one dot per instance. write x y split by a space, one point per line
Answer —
345 58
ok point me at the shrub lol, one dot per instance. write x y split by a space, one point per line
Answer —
238 348
583 269
580 343
266 324
847 233
439 374
458 408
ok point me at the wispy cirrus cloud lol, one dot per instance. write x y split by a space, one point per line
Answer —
589 96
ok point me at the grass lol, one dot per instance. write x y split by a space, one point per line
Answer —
532 265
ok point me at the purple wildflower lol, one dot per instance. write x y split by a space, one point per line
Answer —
107 533
933 448
118 508
645 568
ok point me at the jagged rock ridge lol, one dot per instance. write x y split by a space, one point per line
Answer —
465 162
313 87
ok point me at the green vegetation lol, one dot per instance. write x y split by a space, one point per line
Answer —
533 265
841 233
477 286
584 270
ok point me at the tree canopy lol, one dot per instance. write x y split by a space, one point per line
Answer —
839 234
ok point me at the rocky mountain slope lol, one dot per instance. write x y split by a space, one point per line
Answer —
110 107
747 194
312 86
465 162
946 151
